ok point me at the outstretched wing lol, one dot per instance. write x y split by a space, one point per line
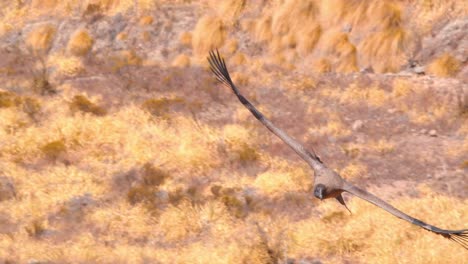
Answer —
459 236
218 67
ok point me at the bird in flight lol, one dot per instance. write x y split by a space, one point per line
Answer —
328 183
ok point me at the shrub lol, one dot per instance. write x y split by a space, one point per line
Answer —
81 103
39 40
444 66
209 34
181 61
53 150
80 43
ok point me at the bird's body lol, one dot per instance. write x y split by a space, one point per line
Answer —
327 184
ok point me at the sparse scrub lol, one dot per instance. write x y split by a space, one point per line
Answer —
54 149
209 34
229 10
238 59
68 66
8 99
240 143
154 176
186 39
40 39
83 104
322 65
444 66
389 48
232 45
160 106
181 61
146 20
354 170
31 107
80 43
342 51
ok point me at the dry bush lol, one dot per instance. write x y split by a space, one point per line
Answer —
371 95
67 66
368 224
401 88
382 146
8 99
263 31
181 61
186 39
322 65
83 104
126 58
40 39
80 43
282 179
238 59
160 106
232 45
209 34
229 10
53 150
388 49
343 52
146 20
241 143
444 66
291 24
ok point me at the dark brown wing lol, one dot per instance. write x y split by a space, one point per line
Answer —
459 236
218 67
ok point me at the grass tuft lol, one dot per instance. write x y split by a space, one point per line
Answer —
53 150
83 104
80 43
444 66
40 39
209 34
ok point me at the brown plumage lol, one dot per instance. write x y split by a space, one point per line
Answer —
328 183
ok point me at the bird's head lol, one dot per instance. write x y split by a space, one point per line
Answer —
319 191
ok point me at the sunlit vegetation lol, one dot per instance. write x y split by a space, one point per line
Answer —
444 66
118 146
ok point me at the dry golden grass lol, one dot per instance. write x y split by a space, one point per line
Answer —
389 48
165 187
229 10
444 66
342 50
354 170
83 104
358 233
181 61
238 59
146 20
186 39
371 95
322 65
40 39
80 43
209 34
68 66
232 45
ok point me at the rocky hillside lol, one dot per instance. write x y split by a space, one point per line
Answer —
118 146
